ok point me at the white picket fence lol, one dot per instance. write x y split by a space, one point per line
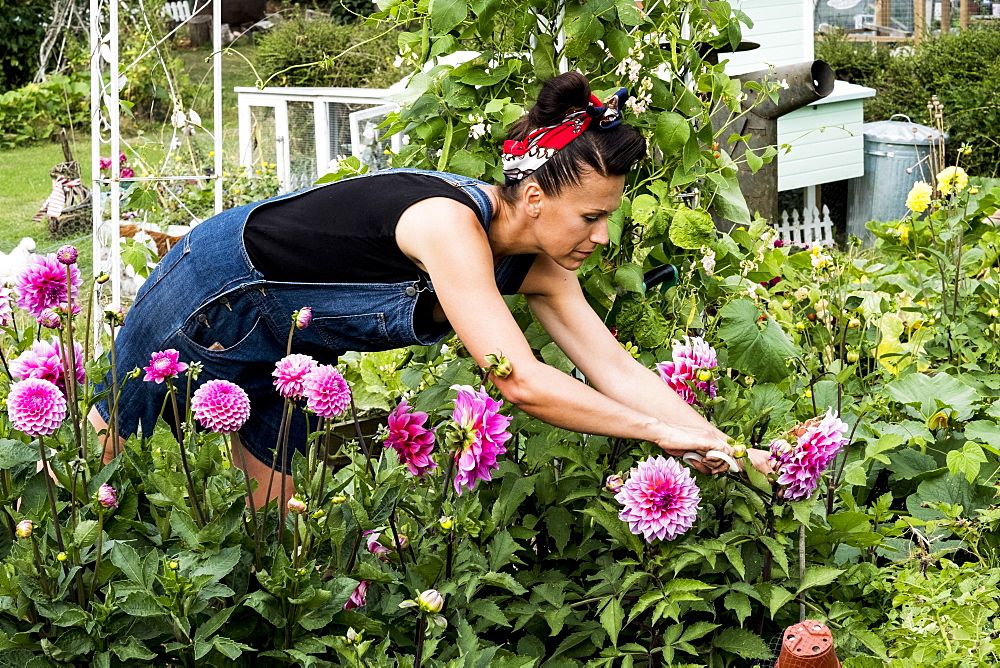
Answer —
805 228
178 12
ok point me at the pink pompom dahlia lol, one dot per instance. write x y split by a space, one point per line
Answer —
359 596
800 467
411 440
689 358
660 499
163 365
44 360
37 407
484 433
326 391
221 406
289 374
42 284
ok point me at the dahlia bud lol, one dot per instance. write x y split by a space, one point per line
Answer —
106 496
739 451
705 375
62 556
67 254
853 323
296 505
173 565
337 500
498 365
102 278
446 522
114 316
318 514
24 528
303 317
403 541
853 356
352 636
430 601
49 319
614 483
993 312
781 446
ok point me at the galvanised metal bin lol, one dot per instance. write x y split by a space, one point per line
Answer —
897 155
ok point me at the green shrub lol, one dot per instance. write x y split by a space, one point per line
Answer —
37 111
22 26
959 68
300 52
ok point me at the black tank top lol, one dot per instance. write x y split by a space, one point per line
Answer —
345 232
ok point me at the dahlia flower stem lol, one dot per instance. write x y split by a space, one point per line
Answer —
52 494
361 437
282 508
324 462
286 415
419 654
43 578
447 482
71 349
253 504
100 549
397 543
184 462
3 359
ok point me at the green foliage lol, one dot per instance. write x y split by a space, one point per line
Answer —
22 25
960 69
318 52
39 111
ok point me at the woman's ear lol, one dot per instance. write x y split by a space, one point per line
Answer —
532 197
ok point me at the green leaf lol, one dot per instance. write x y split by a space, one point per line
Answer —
644 207
742 643
691 229
447 14
127 560
628 12
672 132
629 276
739 603
215 622
131 647
86 533
754 161
817 576
758 352
612 618
616 528
728 200
184 527
925 393
14 453
966 461
487 609
229 647
502 580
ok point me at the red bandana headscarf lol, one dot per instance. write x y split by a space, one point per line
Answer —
521 158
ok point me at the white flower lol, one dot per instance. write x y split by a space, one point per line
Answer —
708 261
178 120
783 83
478 130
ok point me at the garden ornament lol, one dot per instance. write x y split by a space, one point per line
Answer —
808 644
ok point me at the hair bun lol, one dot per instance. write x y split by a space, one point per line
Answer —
560 96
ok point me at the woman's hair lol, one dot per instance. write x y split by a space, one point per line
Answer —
609 152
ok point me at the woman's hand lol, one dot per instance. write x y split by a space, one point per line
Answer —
760 460
677 440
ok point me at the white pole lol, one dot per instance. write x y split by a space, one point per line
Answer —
95 132
217 74
116 170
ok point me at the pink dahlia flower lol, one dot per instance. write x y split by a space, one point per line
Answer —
375 546
37 407
303 317
44 360
163 365
221 406
359 596
660 499
6 313
42 283
801 467
411 440
326 391
485 430
107 497
67 254
289 373
49 319
681 374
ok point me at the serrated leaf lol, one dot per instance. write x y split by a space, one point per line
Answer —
502 580
739 603
14 453
127 560
487 609
86 533
742 643
646 600
612 617
131 647
817 576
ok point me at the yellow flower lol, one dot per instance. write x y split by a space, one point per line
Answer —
952 180
904 233
920 197
211 154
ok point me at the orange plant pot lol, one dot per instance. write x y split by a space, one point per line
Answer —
808 644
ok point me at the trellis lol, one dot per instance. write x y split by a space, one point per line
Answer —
107 77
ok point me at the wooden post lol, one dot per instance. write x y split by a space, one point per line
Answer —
963 14
919 20
883 14
945 17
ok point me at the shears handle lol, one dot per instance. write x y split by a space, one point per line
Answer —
714 454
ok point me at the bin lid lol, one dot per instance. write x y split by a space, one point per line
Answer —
902 132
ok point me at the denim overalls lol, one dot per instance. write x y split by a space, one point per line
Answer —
206 300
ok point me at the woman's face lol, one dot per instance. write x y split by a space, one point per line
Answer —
572 224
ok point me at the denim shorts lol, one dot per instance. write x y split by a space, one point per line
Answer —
207 301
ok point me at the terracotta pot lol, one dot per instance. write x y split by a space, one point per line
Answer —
808 644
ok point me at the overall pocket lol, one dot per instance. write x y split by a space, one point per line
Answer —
225 326
362 332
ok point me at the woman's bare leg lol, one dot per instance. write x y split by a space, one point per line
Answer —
261 472
104 436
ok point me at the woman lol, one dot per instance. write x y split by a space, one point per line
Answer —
402 257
